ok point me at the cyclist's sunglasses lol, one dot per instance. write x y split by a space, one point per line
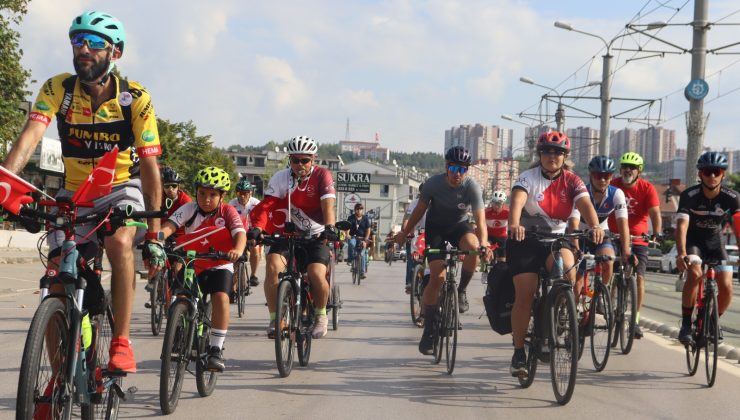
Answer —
457 169
712 172
170 186
552 151
94 42
302 161
629 167
601 175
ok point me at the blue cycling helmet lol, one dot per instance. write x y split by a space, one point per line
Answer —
102 24
712 160
602 164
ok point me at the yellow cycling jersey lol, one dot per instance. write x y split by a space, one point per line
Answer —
127 120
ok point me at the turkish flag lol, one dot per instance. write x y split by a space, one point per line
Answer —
13 191
100 180
202 240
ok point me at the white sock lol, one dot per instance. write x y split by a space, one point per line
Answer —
217 337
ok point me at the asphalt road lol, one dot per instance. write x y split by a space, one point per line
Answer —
370 367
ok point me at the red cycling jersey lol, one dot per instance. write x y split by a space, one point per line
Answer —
641 197
306 195
497 222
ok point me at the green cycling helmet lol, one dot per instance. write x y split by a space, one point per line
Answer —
213 177
244 185
631 158
102 24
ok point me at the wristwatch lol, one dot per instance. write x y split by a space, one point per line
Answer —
154 236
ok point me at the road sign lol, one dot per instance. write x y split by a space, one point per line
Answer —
353 182
697 89
350 200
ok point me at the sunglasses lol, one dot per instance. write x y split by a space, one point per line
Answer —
628 167
94 42
302 161
170 186
556 152
712 172
601 175
457 169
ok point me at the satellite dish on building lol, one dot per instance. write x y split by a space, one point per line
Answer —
394 162
277 149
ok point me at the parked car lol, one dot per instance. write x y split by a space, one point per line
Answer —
669 260
654 260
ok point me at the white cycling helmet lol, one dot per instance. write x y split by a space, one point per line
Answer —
302 145
498 197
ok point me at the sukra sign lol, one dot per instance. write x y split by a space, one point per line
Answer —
353 182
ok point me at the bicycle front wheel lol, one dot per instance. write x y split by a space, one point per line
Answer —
285 327
205 379
336 304
305 329
241 288
415 295
105 401
44 364
450 327
600 325
692 348
711 337
563 345
531 345
175 357
629 314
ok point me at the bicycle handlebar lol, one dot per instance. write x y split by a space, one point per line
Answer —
214 255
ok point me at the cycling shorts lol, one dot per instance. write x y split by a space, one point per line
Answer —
529 255
707 253
211 281
312 253
436 236
641 252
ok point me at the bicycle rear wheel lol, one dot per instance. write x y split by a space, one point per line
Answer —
563 345
105 401
711 337
692 348
285 327
415 296
241 288
205 379
176 349
156 299
629 314
600 326
616 295
439 323
336 304
44 363
450 327
531 346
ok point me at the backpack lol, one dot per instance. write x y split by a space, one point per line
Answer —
499 298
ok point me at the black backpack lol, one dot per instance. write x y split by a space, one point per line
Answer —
499 298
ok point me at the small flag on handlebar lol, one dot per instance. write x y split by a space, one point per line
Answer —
100 180
13 191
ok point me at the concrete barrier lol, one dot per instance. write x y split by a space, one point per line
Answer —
18 239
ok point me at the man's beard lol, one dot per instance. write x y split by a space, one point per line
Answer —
92 73
629 179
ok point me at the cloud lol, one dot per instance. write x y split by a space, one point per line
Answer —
284 87
359 99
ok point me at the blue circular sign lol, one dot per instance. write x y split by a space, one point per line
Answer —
697 89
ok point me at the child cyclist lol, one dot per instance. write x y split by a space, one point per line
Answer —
210 211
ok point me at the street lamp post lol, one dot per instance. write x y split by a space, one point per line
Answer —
560 113
606 80
529 137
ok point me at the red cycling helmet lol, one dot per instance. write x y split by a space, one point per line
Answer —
554 139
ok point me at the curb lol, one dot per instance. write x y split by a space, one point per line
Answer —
18 260
730 353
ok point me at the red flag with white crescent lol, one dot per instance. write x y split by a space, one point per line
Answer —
100 180
14 191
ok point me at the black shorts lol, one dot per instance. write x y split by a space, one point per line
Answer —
314 252
211 281
706 253
500 252
591 248
436 236
529 255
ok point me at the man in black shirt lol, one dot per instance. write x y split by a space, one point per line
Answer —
360 230
702 211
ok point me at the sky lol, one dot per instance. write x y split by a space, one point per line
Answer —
247 72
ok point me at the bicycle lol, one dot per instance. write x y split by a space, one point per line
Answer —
295 308
335 301
63 333
597 317
389 248
160 296
705 327
552 334
187 334
357 262
447 324
419 279
243 289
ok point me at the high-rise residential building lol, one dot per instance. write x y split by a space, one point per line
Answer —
584 144
481 141
680 153
506 142
656 144
623 141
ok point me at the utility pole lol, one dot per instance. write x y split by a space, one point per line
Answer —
696 91
606 100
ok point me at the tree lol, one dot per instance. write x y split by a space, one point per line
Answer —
13 77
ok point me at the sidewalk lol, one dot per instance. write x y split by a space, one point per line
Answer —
19 255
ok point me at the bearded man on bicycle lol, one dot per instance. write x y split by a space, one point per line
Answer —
97 111
702 211
447 197
312 198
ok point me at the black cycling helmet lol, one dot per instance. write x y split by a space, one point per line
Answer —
712 160
170 176
602 164
458 154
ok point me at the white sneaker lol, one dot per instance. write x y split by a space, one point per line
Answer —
320 327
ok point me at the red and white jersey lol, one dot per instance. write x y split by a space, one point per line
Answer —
549 201
203 232
244 210
497 223
306 195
